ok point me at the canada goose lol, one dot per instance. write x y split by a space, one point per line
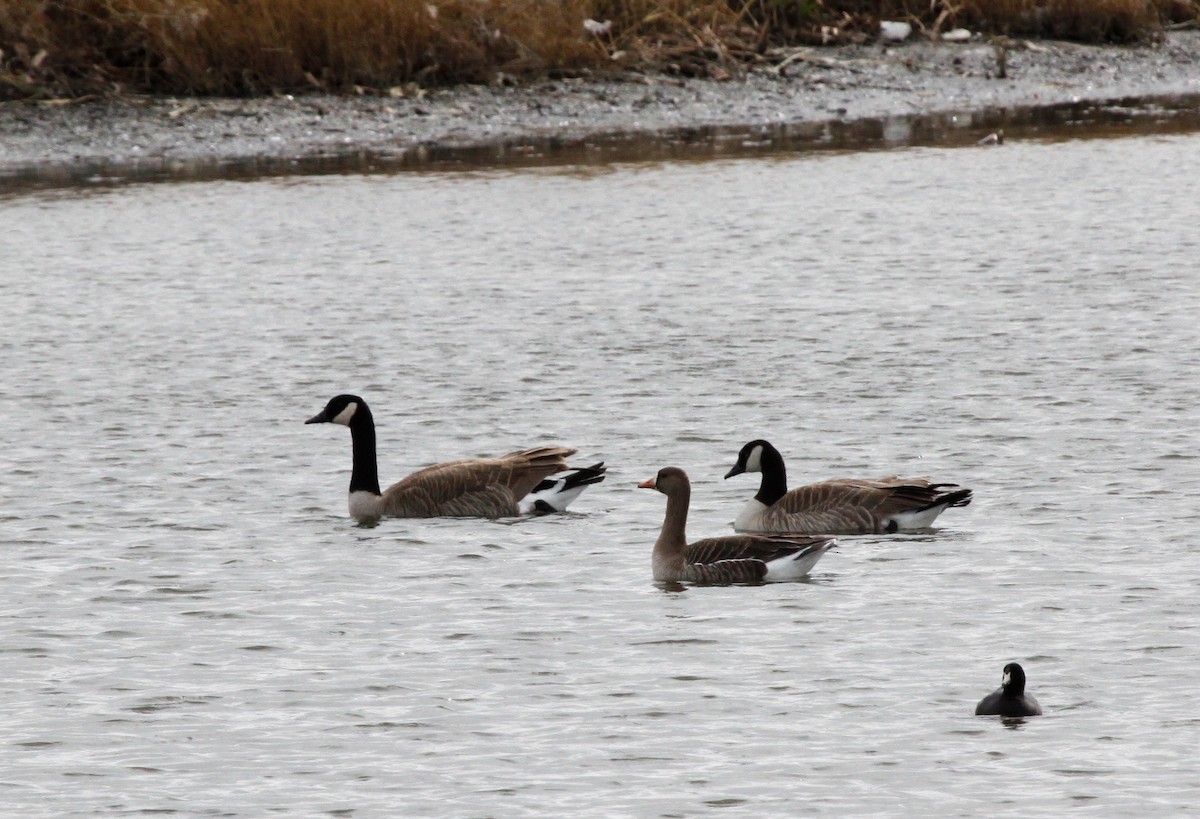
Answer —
519 483
728 559
846 506
1010 699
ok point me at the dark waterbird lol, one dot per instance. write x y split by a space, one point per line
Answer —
1010 699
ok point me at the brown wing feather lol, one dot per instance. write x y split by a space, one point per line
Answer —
847 504
740 558
530 466
481 487
881 496
747 547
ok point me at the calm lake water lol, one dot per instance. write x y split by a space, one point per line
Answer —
192 625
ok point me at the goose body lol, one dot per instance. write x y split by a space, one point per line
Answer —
515 484
845 506
1010 699
728 559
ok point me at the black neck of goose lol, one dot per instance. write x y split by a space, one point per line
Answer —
364 477
774 477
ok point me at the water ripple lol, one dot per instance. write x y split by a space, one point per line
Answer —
194 626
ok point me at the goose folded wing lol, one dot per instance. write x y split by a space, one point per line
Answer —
487 487
906 494
883 497
460 488
760 548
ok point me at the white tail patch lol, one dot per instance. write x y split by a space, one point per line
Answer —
557 497
794 567
556 493
921 519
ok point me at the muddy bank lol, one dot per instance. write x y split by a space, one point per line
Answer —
141 136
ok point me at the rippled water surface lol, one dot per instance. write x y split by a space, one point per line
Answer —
191 624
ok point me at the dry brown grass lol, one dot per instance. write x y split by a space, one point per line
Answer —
257 46
1087 20
66 47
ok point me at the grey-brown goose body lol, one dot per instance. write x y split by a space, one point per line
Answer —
472 487
844 506
728 559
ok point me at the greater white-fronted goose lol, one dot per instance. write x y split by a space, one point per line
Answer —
845 506
728 559
519 483
1010 699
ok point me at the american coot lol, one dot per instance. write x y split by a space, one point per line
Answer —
1010 699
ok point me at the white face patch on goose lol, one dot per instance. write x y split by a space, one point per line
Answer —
1007 679
345 415
754 460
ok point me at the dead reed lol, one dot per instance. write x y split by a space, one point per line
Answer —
242 47
1095 21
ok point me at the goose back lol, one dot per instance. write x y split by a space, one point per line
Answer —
481 487
856 506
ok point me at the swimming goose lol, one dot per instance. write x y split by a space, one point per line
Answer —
1010 699
519 483
728 559
845 506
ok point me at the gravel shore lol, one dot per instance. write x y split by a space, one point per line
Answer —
812 85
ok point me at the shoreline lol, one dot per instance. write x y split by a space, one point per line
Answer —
844 84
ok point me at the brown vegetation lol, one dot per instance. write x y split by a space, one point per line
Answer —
73 47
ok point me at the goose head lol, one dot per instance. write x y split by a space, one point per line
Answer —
340 410
669 480
750 458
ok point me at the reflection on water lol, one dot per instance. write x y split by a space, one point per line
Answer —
192 624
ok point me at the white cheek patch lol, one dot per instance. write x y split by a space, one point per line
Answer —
1007 679
345 415
754 462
